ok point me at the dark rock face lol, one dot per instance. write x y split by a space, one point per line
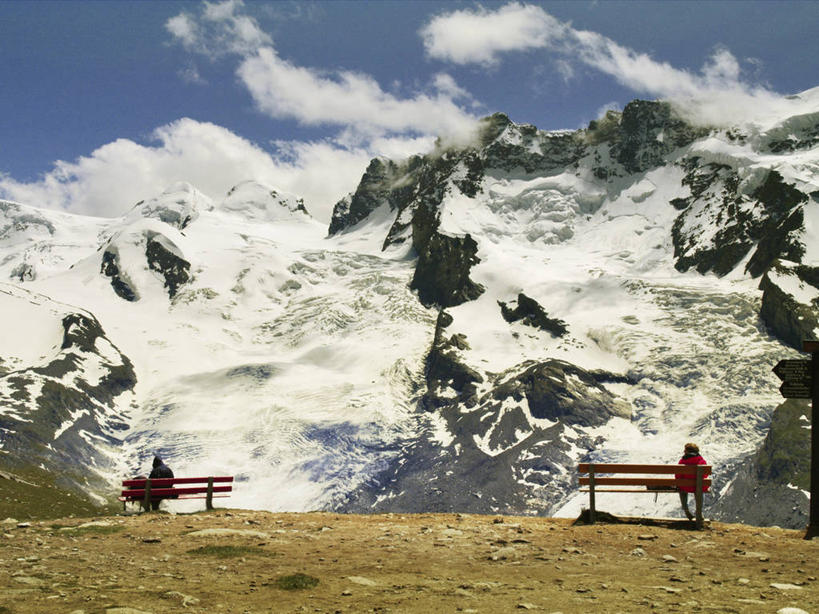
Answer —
782 216
444 370
174 270
71 425
782 313
500 458
530 150
649 131
560 391
377 186
442 273
767 220
767 488
120 284
532 314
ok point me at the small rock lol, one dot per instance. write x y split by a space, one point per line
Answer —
362 581
743 581
646 537
346 593
668 589
9 521
669 559
151 540
125 611
29 580
23 525
638 552
186 599
526 606
791 611
783 586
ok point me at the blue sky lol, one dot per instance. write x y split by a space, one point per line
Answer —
106 103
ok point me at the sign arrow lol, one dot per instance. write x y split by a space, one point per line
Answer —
793 370
796 390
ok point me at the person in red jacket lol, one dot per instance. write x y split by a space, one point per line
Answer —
691 456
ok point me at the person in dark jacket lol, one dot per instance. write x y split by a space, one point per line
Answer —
691 456
160 470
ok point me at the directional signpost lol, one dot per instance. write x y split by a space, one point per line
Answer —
800 380
796 378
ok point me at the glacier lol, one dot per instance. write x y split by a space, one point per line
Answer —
369 367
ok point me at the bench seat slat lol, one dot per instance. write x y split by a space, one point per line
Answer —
648 469
632 490
607 481
164 482
168 492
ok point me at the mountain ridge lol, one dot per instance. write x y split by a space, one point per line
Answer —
389 361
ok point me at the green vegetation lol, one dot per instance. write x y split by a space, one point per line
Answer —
226 552
32 493
98 529
295 582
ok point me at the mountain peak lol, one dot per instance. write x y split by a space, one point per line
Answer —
257 201
178 205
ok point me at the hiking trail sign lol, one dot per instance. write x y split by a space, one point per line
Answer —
800 380
796 378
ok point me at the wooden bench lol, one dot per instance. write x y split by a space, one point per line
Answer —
611 474
143 490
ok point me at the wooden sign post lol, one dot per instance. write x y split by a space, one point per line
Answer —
800 380
813 523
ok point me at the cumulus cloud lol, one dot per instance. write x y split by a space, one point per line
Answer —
283 90
479 36
221 29
715 94
310 96
114 177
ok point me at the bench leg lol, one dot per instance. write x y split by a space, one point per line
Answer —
591 495
698 497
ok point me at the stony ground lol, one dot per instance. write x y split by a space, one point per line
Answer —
245 561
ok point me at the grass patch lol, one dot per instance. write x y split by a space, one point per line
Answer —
226 552
5 610
45 496
295 582
92 530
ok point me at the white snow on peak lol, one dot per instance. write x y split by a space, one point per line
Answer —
179 205
256 201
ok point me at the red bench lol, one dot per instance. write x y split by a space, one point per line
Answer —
697 480
143 490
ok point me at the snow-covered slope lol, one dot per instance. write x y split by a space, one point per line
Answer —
476 322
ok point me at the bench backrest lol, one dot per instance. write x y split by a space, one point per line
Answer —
165 487
594 471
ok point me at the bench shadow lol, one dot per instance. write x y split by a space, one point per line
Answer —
601 517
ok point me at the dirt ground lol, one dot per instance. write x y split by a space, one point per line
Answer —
248 562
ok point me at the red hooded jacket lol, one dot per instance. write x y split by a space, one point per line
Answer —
691 460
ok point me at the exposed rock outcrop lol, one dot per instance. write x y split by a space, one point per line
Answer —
163 257
529 312
771 487
790 302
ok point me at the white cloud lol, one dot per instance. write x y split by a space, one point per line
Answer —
479 36
346 99
283 90
221 30
113 178
715 94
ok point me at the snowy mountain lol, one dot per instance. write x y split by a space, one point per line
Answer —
473 323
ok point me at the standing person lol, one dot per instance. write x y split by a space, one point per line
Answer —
691 456
160 470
